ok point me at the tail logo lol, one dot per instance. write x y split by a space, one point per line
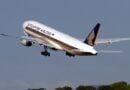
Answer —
90 40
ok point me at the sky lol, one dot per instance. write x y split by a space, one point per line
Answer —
22 67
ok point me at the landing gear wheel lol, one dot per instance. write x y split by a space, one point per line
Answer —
48 54
45 53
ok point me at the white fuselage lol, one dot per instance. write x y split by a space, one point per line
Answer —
58 39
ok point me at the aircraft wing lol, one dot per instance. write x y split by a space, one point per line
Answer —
37 41
110 41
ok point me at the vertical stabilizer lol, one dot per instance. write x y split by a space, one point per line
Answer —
90 40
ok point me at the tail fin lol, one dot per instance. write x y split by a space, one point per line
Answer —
90 40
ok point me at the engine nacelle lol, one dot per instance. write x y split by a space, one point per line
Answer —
26 43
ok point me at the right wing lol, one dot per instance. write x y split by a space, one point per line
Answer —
109 41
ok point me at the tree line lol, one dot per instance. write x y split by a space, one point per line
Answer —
115 86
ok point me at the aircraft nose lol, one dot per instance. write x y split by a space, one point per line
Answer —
25 24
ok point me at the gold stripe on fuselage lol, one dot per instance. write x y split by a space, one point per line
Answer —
47 39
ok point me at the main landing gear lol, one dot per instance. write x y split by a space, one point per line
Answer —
45 53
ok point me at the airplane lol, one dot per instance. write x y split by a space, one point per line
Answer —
51 38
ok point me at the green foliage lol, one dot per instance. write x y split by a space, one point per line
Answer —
37 89
67 88
115 86
119 86
59 88
64 88
128 87
86 88
105 87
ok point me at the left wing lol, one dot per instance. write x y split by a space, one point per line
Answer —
109 41
32 39
37 41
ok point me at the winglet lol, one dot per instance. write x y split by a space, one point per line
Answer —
90 40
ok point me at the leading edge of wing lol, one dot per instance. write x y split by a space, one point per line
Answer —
36 40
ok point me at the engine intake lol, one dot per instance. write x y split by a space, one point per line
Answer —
26 43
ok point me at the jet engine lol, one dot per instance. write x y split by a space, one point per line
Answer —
26 43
